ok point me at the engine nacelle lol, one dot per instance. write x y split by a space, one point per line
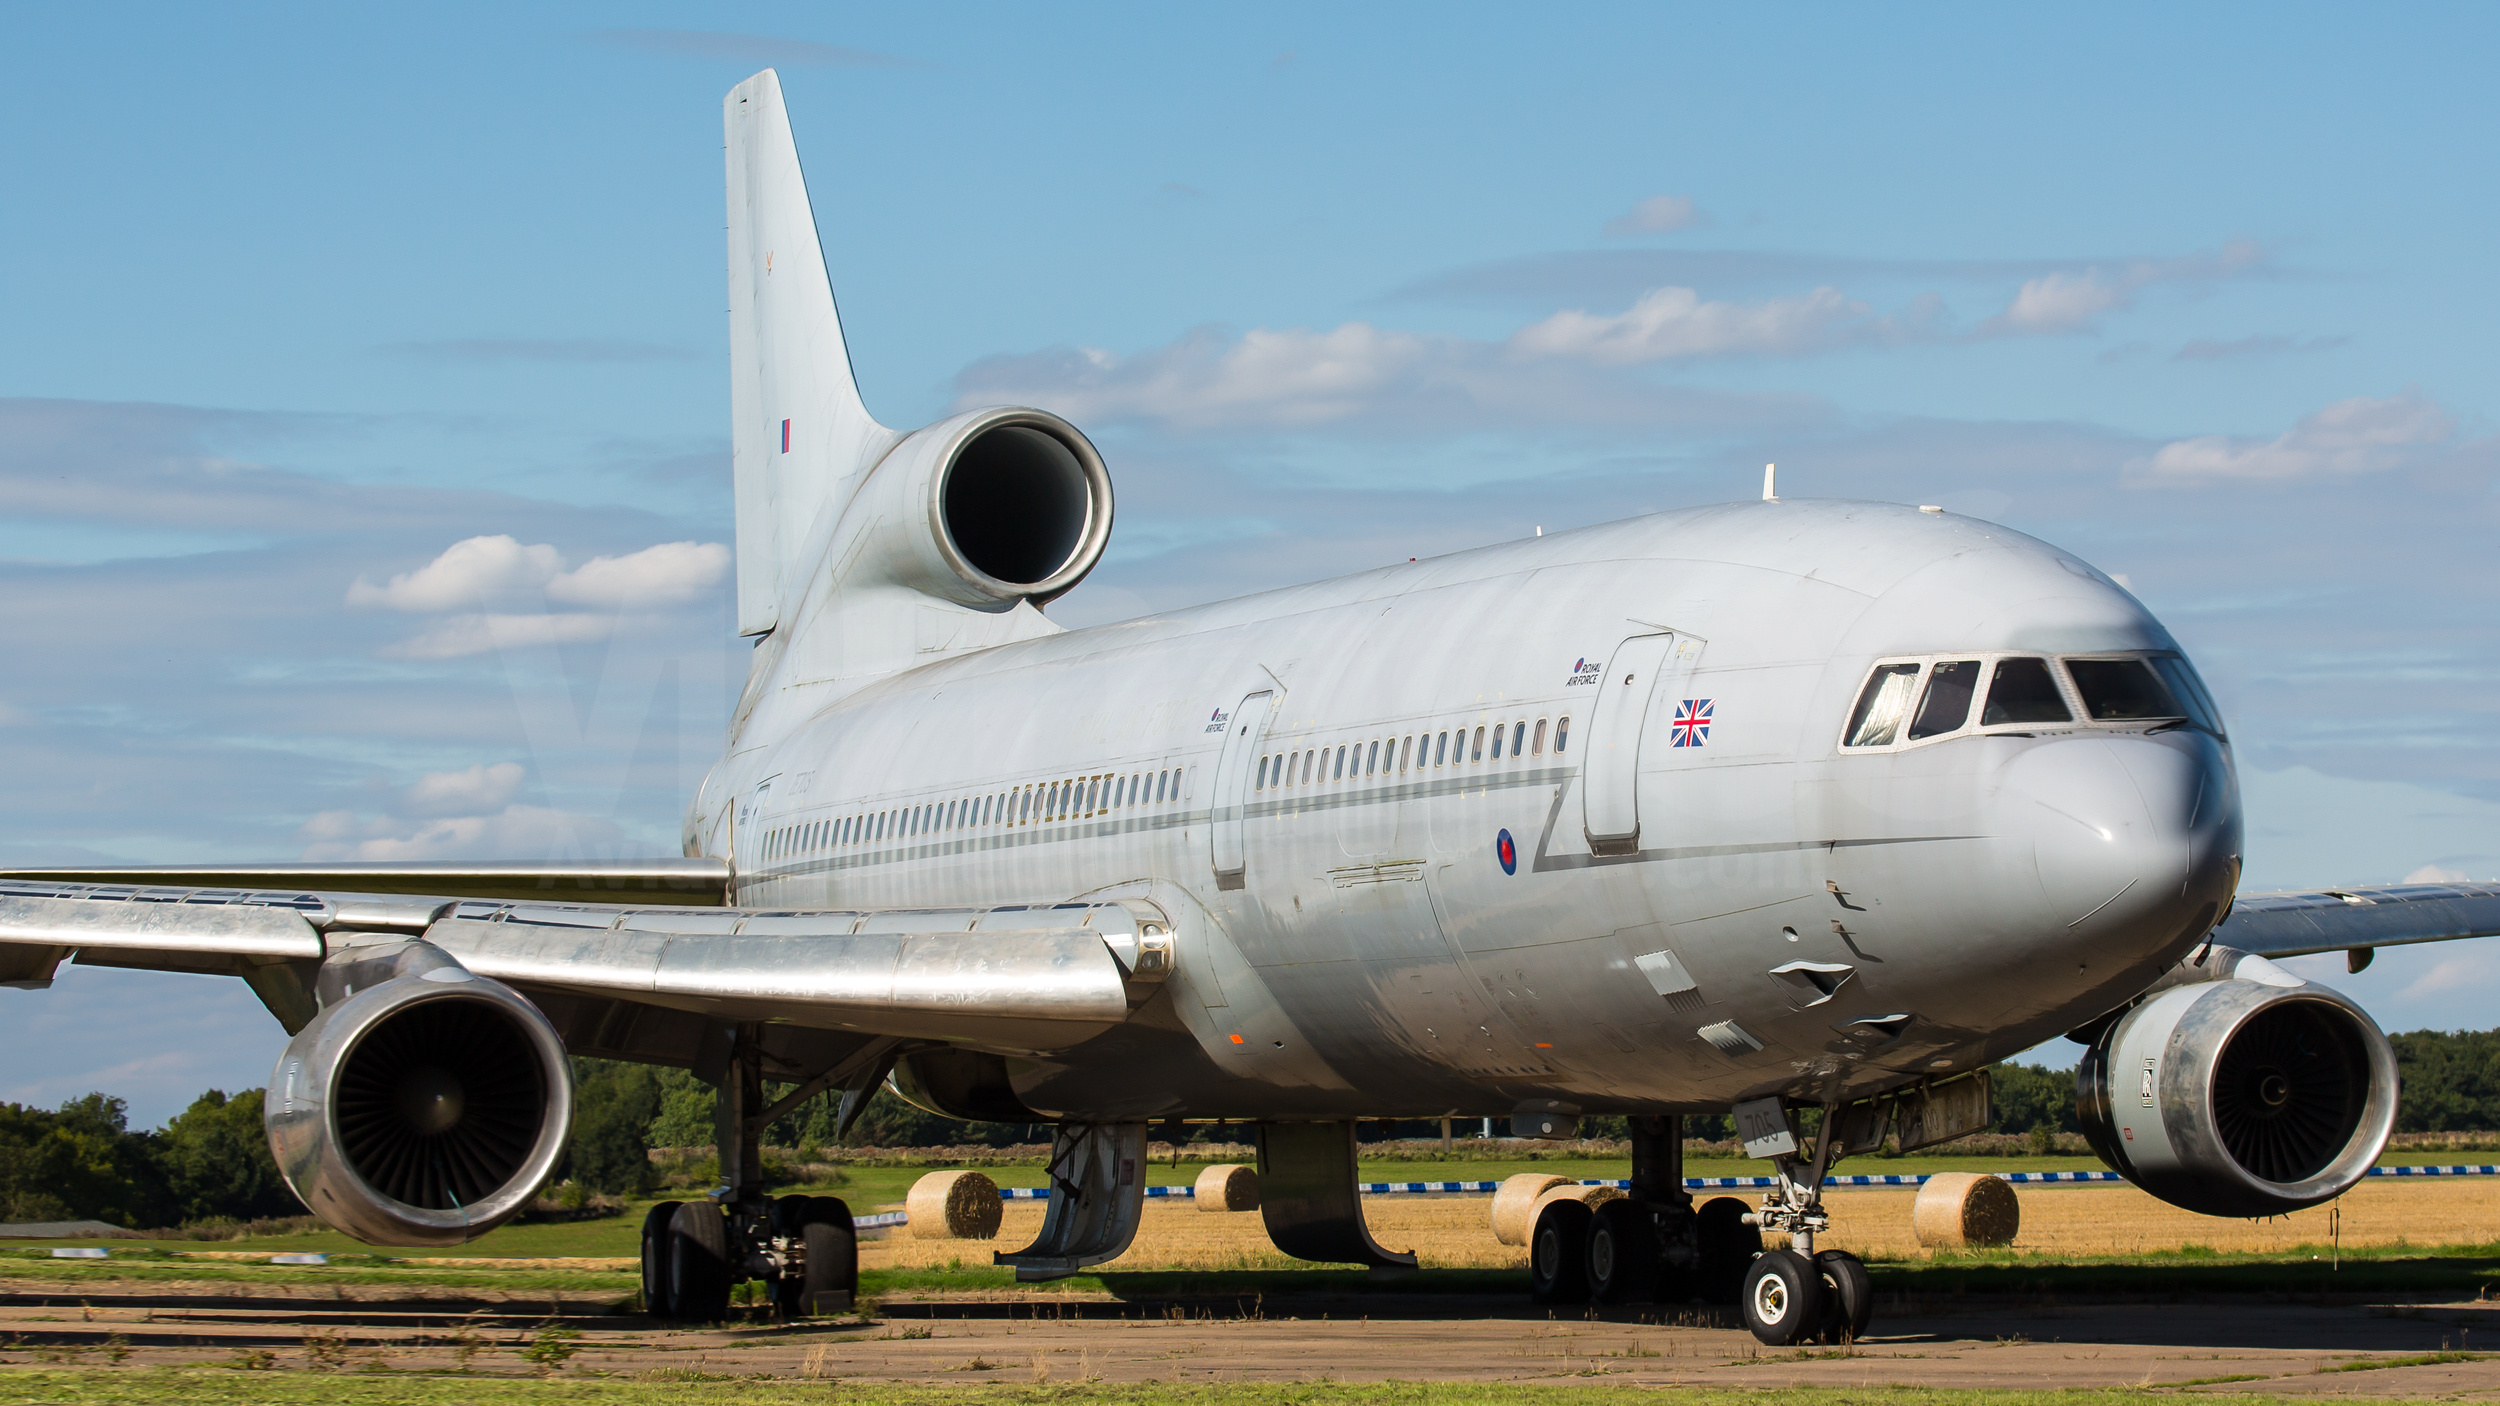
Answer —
986 508
424 1105
2235 1088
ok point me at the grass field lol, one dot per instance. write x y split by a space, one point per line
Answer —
109 1388
2073 1225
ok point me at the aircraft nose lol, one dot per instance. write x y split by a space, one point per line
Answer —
2136 838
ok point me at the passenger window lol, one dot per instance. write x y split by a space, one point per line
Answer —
1498 730
2023 692
1562 734
1339 774
1946 705
1371 760
2121 690
1518 735
1261 783
1441 750
1307 758
1877 721
1536 747
1478 754
1406 754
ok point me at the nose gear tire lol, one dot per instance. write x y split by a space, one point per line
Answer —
1848 1296
1783 1298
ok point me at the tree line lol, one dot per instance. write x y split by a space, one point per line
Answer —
211 1163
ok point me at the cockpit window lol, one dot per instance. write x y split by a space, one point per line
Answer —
2121 690
2189 690
2023 692
1882 706
1947 704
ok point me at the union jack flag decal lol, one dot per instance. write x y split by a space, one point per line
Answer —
1692 722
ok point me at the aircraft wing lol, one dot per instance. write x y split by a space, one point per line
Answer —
693 882
2359 921
633 982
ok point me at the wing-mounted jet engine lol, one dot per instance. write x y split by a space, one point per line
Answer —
2234 1088
424 1105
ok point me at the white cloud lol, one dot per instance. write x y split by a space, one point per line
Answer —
457 636
671 573
514 832
1674 323
1290 376
2072 300
2061 302
2356 436
462 575
1659 214
478 789
2433 874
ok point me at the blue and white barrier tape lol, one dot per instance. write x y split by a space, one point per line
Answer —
1427 1188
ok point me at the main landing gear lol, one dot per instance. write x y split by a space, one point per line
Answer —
1656 1246
803 1247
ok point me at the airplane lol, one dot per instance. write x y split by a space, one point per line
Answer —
1806 810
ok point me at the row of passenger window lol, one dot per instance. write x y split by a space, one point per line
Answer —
1075 798
2023 691
1391 756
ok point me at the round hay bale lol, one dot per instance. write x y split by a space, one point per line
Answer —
953 1206
1959 1209
1511 1203
1229 1187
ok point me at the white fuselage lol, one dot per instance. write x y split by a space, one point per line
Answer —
1309 780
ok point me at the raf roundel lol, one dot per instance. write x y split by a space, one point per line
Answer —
1506 852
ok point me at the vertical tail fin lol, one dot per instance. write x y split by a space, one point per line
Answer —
799 434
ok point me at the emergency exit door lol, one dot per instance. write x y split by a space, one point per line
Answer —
1610 768
1243 733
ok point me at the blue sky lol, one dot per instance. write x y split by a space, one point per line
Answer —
298 298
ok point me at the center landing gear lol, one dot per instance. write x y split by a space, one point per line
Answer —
694 1253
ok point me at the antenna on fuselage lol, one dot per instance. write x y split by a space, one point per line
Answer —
1770 483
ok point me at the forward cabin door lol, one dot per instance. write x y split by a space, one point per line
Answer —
1610 767
1244 732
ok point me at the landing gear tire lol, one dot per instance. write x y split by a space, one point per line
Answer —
1848 1296
1783 1298
1623 1253
827 1277
698 1263
655 1247
1558 1254
1727 1249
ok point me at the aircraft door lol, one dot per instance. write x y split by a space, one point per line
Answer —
1245 731
1610 765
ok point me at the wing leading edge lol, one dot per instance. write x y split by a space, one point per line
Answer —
692 882
2359 921
654 984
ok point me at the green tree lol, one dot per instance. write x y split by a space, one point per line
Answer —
215 1162
2030 1096
614 1106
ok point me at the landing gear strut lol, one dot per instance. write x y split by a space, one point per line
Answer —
1797 1295
695 1252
